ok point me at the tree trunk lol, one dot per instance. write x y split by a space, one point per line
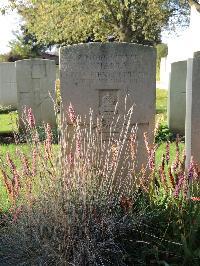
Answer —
125 34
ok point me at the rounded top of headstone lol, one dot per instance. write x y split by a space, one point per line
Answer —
113 49
107 45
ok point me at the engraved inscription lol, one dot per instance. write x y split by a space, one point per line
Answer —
105 62
105 76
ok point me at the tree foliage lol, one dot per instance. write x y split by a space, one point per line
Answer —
25 45
73 21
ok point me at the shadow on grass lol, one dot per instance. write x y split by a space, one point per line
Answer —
161 111
7 138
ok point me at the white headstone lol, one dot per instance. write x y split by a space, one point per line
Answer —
164 78
8 88
193 109
98 75
177 97
36 88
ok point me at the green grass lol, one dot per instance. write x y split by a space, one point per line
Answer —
4 201
11 149
8 122
162 148
161 114
161 105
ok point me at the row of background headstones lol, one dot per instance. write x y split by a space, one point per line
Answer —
8 83
184 102
29 83
173 78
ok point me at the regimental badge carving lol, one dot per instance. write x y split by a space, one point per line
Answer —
107 107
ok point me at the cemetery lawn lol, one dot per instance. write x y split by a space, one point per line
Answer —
161 150
4 149
11 149
8 122
161 105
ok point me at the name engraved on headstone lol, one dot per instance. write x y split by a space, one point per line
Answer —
104 76
107 62
115 57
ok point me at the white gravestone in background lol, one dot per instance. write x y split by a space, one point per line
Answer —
163 84
98 75
193 109
36 89
177 97
8 88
